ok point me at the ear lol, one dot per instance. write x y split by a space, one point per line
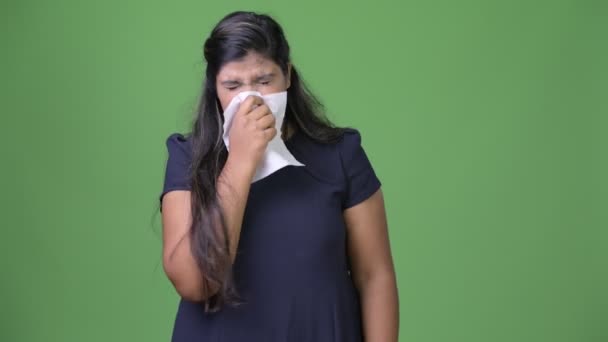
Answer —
288 75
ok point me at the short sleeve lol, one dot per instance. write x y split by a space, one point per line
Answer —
361 179
177 168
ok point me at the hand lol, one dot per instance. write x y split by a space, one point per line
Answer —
253 126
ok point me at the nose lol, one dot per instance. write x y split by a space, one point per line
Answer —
249 87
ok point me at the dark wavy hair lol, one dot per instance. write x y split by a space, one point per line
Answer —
231 39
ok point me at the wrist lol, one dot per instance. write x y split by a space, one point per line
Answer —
240 166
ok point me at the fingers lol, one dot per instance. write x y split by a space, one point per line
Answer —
270 132
259 112
254 108
266 121
251 102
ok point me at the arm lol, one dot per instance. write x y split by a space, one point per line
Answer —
372 268
252 128
178 262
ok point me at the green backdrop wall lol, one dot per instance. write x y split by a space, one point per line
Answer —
485 120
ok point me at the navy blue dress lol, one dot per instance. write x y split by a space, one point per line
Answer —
292 267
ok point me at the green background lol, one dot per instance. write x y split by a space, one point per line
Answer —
486 122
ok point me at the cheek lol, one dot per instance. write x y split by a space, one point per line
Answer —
225 98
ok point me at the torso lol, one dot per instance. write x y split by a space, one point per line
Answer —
292 266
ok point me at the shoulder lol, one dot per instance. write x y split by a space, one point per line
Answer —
351 134
347 161
350 148
344 144
179 150
329 159
178 140
179 144
349 141
360 176
178 163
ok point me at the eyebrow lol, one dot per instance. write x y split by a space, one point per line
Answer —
230 82
257 79
265 76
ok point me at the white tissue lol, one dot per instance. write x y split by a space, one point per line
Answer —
276 155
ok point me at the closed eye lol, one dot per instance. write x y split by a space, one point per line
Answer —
231 85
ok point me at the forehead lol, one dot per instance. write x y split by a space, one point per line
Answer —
250 66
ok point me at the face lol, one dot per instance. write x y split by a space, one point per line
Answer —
252 72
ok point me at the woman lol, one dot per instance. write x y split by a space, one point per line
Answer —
300 255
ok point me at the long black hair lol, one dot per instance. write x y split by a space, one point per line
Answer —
231 39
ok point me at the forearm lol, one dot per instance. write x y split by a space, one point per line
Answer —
180 264
233 190
380 307
184 273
